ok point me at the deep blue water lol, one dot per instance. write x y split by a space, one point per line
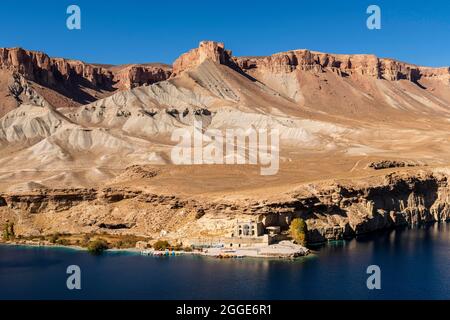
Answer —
414 264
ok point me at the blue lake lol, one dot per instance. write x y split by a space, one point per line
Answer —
414 265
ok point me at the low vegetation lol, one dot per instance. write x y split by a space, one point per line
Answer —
94 242
97 247
8 231
54 237
127 241
161 245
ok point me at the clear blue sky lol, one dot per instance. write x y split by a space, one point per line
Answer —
135 31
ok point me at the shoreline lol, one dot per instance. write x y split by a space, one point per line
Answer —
333 265
218 253
209 253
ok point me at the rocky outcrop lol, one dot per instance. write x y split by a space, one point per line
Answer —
23 92
342 211
132 76
343 65
385 164
70 77
306 60
42 200
115 210
39 67
211 50
332 211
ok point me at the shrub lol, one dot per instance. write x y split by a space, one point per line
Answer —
119 244
8 231
161 245
97 246
63 242
54 237
298 231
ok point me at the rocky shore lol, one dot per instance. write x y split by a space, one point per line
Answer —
332 209
283 250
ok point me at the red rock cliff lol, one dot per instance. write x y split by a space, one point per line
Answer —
67 76
214 51
39 67
132 76
361 64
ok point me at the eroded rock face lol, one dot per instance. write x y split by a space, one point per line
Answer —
138 75
94 210
340 211
39 67
68 76
286 62
40 201
344 65
332 211
214 51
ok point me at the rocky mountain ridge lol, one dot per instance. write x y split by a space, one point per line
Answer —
75 80
343 65
286 62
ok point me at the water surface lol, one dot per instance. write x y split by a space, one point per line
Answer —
414 265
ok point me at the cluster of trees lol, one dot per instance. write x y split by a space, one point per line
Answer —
162 245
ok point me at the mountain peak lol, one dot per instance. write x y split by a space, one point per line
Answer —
207 50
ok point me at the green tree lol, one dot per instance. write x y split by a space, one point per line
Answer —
97 247
298 231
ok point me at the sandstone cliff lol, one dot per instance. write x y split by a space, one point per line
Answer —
67 82
359 86
286 62
333 210
214 51
131 76
39 67
343 65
